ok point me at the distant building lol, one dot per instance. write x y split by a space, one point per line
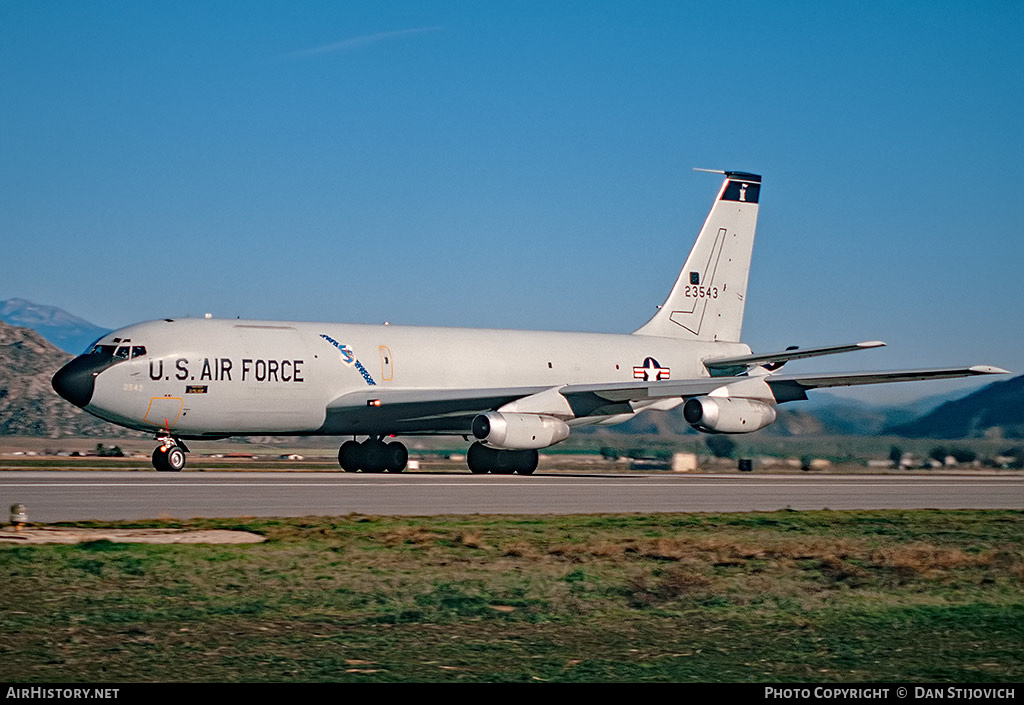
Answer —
684 462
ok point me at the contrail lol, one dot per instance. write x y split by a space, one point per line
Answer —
359 42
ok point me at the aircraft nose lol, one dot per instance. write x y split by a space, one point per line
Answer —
76 380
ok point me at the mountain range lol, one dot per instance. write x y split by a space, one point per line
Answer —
29 356
69 333
997 413
997 408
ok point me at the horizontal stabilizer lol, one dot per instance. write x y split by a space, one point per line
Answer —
720 366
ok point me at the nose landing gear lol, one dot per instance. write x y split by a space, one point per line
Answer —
373 455
169 456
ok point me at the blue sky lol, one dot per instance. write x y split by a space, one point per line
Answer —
520 164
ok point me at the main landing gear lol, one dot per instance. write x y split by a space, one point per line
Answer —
373 455
482 459
169 456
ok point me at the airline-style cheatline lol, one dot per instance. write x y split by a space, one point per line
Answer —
513 391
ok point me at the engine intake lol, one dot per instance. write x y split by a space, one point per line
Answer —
519 431
727 415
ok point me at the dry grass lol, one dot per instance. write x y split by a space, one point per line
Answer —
471 539
520 549
673 583
411 536
811 562
860 595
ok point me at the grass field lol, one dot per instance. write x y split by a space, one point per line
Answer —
786 596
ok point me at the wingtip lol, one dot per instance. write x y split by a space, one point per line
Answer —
871 344
988 370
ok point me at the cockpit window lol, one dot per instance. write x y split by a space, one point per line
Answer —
117 353
91 347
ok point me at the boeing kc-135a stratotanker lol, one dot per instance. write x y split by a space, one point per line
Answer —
513 391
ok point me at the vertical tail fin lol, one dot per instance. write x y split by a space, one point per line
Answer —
707 300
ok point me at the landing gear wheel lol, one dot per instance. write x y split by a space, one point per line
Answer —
528 462
175 459
160 460
475 459
482 459
396 456
348 456
168 459
374 456
504 462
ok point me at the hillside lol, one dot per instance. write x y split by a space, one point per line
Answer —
837 416
28 404
994 410
67 332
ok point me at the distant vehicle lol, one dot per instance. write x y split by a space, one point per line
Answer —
514 392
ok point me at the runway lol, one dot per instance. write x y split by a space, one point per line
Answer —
68 496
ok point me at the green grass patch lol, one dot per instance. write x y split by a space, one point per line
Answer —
784 596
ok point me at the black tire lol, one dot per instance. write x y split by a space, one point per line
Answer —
482 459
528 462
505 462
160 460
168 459
349 456
475 459
396 456
374 456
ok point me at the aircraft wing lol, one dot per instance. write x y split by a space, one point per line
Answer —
793 387
378 409
614 398
411 411
784 387
641 391
419 411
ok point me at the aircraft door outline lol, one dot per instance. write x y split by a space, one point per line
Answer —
387 363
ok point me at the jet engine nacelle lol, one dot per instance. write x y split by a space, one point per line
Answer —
727 415
519 431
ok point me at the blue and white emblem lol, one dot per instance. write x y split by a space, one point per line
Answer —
348 356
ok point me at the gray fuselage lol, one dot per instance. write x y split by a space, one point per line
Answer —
217 377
